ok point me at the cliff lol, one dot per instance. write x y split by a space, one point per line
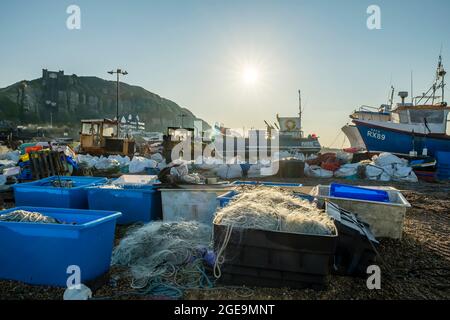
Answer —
66 99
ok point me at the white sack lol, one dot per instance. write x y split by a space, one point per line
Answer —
139 164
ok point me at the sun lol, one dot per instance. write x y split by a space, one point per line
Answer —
250 75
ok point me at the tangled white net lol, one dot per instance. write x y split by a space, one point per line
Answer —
276 210
165 252
26 216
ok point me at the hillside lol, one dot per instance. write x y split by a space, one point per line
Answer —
66 99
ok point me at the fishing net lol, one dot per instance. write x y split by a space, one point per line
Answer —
165 257
109 186
26 216
276 210
62 183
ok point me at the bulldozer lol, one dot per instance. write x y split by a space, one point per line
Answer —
101 137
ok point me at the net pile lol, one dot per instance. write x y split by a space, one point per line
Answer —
275 210
26 216
62 183
165 258
110 186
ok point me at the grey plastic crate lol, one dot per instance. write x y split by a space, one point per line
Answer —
385 218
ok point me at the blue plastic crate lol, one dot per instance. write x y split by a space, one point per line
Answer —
136 203
41 193
443 175
443 171
267 184
227 197
38 253
351 192
443 158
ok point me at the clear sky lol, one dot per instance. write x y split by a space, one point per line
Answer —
236 62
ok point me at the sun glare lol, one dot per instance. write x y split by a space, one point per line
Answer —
250 75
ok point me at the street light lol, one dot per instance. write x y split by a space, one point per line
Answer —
118 72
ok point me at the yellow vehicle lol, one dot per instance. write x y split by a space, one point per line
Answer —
100 137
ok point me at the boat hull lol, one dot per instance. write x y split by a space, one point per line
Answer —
353 136
381 139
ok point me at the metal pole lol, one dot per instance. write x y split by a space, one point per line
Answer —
118 72
300 112
117 110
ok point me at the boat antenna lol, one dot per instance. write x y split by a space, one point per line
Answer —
439 83
300 110
441 74
300 104
412 88
391 99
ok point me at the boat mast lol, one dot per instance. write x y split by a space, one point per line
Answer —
441 74
439 83
391 99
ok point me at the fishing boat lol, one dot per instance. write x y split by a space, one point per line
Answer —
288 131
364 113
411 129
291 135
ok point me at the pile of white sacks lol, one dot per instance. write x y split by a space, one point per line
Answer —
8 163
232 167
385 167
135 165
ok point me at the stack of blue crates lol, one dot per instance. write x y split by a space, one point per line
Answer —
137 203
43 193
47 254
443 165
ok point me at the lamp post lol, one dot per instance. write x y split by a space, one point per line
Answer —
118 72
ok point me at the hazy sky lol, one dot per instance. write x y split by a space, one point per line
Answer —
236 62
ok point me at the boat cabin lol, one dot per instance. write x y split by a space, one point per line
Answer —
422 118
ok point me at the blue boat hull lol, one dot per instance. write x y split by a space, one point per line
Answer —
381 139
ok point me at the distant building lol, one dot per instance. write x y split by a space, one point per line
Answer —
131 124
53 82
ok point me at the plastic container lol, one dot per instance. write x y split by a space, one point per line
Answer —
189 204
352 192
356 248
267 184
136 203
443 176
443 158
385 218
225 198
275 259
291 169
40 254
33 149
443 165
142 180
42 193
24 146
